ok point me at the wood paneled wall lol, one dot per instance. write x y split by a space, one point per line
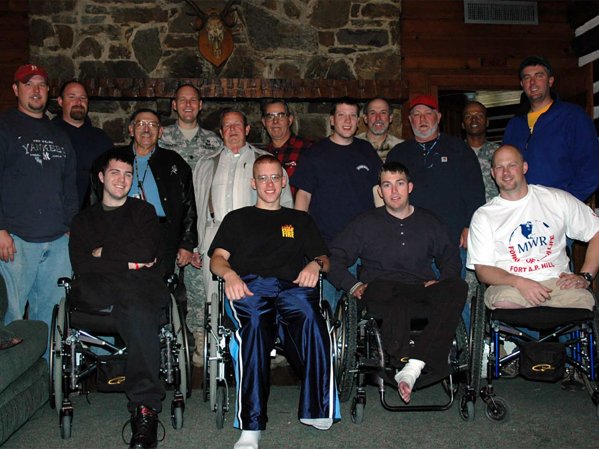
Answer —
14 46
441 52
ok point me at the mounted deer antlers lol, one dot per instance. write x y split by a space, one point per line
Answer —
216 40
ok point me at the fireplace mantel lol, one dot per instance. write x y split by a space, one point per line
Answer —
244 88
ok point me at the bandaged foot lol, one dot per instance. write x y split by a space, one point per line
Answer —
407 377
318 423
248 439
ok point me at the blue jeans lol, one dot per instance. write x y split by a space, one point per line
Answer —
331 294
31 278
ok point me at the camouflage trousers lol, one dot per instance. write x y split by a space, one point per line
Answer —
473 283
196 298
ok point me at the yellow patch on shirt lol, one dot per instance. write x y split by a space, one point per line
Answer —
288 231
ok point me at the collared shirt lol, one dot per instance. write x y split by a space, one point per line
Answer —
385 146
290 152
224 180
203 142
143 178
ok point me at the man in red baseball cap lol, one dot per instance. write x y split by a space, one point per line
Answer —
444 168
38 198
25 72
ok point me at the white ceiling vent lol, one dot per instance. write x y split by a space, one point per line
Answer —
511 12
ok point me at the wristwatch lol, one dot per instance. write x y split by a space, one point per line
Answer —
587 276
319 262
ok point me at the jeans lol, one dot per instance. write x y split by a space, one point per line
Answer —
31 278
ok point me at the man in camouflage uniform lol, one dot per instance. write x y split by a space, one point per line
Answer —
475 123
187 138
378 116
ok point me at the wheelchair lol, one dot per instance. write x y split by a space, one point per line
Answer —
73 362
218 370
572 332
361 360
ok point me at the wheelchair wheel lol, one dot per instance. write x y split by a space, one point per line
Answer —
221 406
592 386
177 417
57 328
65 426
458 360
213 349
345 351
466 409
497 409
477 333
357 411
182 344
206 354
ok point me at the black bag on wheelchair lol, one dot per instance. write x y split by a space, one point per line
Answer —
545 361
111 373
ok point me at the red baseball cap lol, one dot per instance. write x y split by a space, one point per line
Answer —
426 100
25 72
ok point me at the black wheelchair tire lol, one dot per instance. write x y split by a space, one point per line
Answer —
477 332
346 340
221 406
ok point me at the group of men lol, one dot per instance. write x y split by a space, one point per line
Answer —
179 196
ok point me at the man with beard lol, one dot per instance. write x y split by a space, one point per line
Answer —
378 115
38 199
443 167
88 141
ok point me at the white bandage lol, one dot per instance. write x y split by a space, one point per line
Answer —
410 373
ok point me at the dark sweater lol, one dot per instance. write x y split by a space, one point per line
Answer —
89 143
38 196
393 249
448 183
130 233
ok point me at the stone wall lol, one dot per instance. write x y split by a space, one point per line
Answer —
274 39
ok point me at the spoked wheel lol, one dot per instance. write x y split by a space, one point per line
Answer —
346 317
57 328
459 361
497 409
206 354
183 355
357 411
221 406
477 332
213 352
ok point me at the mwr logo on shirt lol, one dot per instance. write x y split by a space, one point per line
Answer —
531 242
288 231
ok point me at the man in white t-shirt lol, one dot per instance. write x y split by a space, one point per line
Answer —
517 241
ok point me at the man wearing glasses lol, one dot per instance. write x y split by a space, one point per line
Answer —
163 179
277 119
443 167
261 252
222 184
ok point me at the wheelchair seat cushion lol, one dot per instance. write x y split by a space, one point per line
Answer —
542 318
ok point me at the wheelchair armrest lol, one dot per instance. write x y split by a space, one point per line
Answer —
64 282
172 281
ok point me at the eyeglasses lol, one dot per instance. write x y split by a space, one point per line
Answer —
275 115
144 123
263 179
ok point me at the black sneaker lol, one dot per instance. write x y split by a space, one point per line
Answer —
144 428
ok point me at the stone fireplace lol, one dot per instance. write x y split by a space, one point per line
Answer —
133 53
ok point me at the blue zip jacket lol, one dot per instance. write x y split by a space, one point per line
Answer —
562 151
